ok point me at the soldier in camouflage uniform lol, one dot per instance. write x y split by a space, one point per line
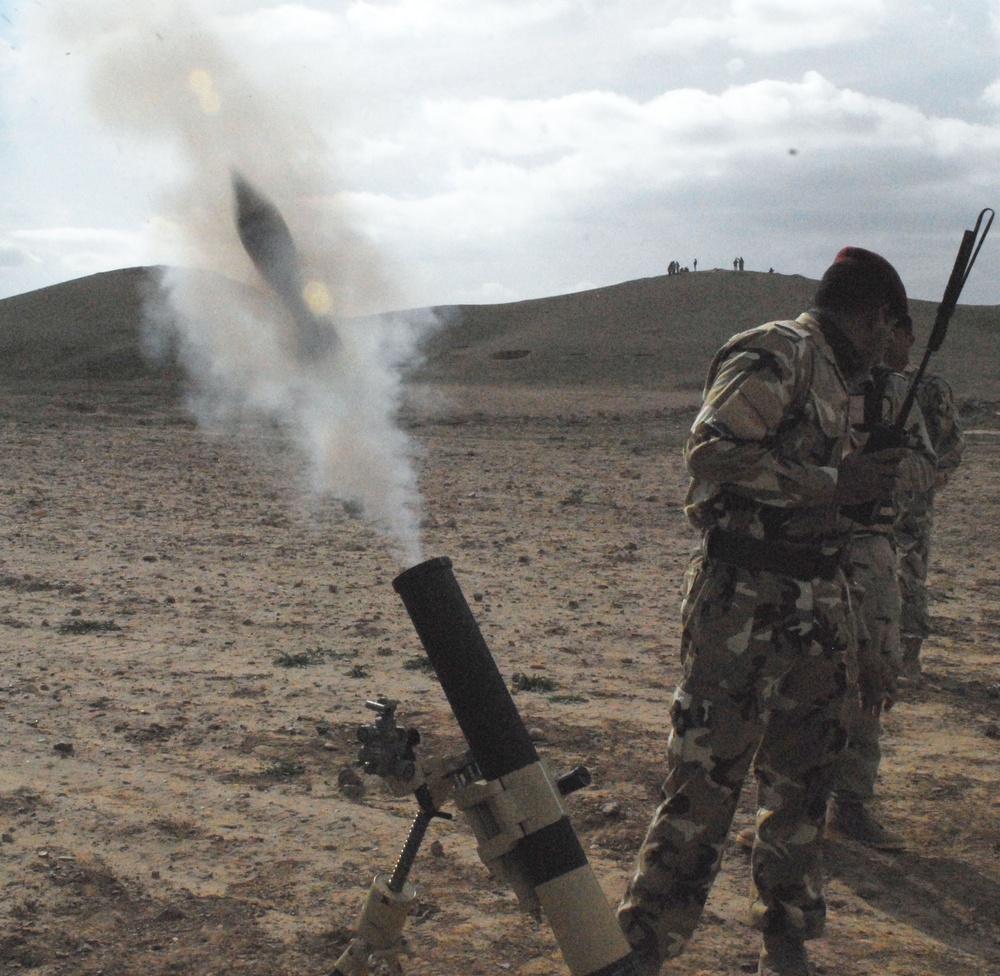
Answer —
915 519
876 597
767 630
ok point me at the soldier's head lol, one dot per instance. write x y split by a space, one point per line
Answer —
867 295
897 349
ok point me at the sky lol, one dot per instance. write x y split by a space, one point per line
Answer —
438 152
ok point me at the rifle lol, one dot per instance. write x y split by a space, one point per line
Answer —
968 251
884 436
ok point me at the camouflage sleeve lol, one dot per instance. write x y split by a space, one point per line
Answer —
949 441
742 439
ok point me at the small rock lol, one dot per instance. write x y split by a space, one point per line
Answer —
611 810
347 776
869 889
436 849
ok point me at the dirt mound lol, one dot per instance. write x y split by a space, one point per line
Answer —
654 334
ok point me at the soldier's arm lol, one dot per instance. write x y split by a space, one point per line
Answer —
735 438
951 440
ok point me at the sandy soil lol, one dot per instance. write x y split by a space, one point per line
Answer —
172 791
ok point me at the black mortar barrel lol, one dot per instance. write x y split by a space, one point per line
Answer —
550 859
474 687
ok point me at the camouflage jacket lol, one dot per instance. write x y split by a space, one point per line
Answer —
774 425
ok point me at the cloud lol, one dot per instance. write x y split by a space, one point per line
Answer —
8 56
76 251
553 174
539 154
455 138
765 27
15 255
457 17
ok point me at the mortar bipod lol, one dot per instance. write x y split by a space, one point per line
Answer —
387 751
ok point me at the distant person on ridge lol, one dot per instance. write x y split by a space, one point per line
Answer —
768 636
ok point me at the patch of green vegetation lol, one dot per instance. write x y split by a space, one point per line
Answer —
358 671
80 626
530 682
418 664
303 659
283 769
568 699
575 497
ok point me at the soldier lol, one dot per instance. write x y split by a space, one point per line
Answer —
876 594
915 519
767 630
876 602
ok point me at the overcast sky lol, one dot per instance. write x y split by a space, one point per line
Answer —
496 150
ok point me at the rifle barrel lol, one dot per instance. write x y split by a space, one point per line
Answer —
968 251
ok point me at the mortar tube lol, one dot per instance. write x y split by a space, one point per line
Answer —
550 859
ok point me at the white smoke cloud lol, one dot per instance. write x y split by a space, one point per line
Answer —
157 71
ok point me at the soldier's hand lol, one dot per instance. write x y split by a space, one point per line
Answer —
868 477
876 682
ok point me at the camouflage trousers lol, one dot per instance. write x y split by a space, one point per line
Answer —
875 594
912 533
765 679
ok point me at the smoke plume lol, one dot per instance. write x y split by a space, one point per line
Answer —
156 71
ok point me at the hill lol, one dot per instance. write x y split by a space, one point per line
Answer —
650 334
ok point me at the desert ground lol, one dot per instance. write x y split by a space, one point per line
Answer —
189 641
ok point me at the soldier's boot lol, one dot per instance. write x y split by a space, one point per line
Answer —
646 964
853 821
644 961
784 955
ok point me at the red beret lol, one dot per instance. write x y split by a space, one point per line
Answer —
858 278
